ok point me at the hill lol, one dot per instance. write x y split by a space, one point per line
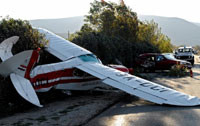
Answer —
180 31
60 26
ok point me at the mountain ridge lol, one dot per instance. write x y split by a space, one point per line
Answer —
180 31
60 26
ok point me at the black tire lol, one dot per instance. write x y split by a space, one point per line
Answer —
192 62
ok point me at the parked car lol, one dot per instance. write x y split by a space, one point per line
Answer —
156 61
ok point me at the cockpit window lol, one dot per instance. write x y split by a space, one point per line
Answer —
89 58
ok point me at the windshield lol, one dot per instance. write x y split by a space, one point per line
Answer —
169 56
185 50
89 58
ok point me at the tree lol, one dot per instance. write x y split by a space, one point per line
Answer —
29 38
108 49
113 20
114 32
151 33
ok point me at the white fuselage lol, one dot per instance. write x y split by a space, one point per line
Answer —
63 76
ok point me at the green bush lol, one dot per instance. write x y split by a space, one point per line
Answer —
29 38
178 71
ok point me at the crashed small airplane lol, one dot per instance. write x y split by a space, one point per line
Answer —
80 69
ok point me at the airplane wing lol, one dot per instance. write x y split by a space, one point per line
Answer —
25 89
139 87
62 48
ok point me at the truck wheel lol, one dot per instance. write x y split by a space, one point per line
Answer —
192 62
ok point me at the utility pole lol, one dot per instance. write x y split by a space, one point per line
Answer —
68 34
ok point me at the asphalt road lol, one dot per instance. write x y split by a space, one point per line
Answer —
133 111
140 113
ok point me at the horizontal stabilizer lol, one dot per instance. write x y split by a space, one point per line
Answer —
12 65
25 89
139 87
6 46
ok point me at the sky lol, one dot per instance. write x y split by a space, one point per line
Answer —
48 9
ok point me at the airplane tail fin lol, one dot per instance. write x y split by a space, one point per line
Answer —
6 46
33 60
21 63
19 67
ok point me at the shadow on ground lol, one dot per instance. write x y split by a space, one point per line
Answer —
144 113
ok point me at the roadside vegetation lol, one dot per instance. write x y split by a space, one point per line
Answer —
178 71
29 38
114 32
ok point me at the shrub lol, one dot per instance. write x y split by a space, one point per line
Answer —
178 71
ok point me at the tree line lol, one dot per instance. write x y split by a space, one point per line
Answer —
114 33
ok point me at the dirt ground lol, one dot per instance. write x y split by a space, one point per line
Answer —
74 110
82 110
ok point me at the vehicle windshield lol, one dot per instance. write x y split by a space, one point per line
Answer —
89 58
185 50
169 56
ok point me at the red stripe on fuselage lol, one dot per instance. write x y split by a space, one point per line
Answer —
39 86
55 77
33 60
23 66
